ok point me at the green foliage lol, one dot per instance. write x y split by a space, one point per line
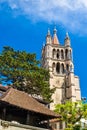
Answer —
71 112
20 70
68 129
76 127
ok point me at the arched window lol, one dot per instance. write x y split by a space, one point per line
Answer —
54 52
53 66
70 55
62 68
62 54
71 68
67 67
66 53
58 54
58 68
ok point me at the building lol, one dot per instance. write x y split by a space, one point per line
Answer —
18 109
59 60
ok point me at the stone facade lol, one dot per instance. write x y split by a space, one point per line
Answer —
59 60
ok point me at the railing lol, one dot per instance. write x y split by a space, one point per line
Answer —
5 125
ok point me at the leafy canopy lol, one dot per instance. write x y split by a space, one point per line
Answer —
71 112
20 70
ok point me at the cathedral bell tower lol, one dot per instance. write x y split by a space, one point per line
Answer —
59 60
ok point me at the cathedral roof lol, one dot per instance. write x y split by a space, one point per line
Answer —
55 38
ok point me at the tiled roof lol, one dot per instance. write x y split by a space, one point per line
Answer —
23 100
55 39
3 88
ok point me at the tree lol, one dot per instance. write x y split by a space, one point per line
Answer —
21 70
71 112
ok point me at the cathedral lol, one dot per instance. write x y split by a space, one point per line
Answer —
59 60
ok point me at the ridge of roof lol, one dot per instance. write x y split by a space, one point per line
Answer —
24 101
4 94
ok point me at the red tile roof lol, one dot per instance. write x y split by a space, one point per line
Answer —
55 39
24 101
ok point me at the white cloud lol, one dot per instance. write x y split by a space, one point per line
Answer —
71 13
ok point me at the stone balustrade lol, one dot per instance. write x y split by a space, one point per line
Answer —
5 125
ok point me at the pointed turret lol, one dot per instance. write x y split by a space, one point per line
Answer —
48 37
48 34
55 39
67 40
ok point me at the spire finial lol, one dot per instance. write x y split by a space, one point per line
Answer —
48 32
55 30
67 35
55 39
67 39
43 44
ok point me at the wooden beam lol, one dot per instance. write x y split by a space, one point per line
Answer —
28 118
4 113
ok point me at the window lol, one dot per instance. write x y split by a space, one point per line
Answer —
58 68
62 54
53 67
66 53
58 54
60 125
62 68
67 67
53 53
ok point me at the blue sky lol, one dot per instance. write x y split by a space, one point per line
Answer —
24 25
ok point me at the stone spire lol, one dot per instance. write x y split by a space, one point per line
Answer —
55 39
48 34
67 40
48 37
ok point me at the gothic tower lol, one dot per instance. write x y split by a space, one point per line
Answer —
59 60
